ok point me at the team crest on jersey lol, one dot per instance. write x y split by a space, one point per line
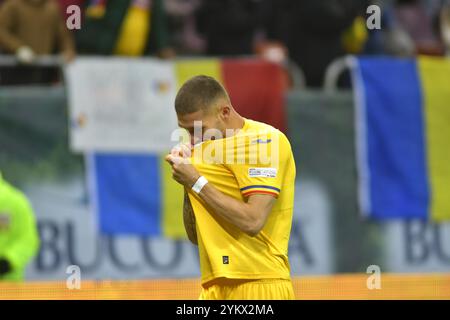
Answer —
262 141
262 172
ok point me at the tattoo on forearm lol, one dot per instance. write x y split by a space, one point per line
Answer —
189 219
187 207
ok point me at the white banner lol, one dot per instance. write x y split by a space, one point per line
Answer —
121 104
69 237
417 246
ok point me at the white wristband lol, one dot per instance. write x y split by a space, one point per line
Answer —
199 184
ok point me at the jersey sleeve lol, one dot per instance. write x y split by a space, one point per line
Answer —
266 174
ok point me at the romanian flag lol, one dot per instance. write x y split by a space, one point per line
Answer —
256 87
133 192
403 137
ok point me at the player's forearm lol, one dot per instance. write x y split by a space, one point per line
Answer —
239 213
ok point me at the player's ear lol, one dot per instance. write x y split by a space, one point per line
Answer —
224 112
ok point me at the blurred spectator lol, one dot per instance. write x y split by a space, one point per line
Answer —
445 26
64 4
276 52
19 240
376 37
182 28
272 51
398 42
413 17
29 28
312 31
126 27
391 39
355 37
432 7
229 26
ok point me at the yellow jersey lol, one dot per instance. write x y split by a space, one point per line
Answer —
257 159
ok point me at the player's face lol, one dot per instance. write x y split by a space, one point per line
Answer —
202 125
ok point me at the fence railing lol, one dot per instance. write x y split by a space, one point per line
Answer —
40 61
333 72
296 73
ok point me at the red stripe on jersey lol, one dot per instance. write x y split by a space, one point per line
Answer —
246 194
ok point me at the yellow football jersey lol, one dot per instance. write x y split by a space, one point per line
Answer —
256 160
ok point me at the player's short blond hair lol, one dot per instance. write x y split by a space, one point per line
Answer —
199 93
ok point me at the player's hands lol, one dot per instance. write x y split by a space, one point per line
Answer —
182 170
183 150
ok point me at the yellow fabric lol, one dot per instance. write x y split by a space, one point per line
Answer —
435 75
270 289
133 35
225 251
190 68
95 11
355 37
173 195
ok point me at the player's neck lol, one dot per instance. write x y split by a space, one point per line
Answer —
236 122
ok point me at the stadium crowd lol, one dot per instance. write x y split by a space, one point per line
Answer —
311 33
